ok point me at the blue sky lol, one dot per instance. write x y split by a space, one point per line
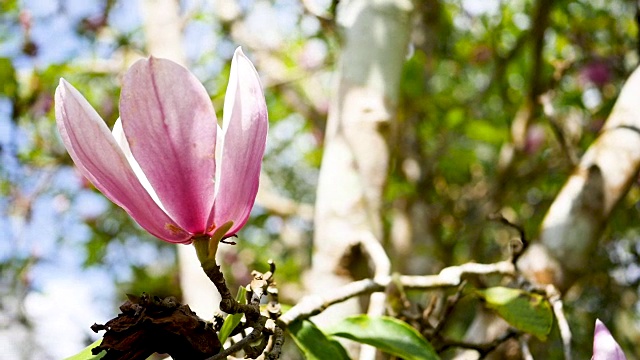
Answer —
66 299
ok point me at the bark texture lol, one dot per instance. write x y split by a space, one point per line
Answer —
577 217
356 155
575 221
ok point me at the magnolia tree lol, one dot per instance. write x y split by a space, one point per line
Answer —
416 180
159 164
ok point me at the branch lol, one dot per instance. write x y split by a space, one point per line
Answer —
382 268
279 205
483 349
247 340
575 221
449 277
550 113
260 285
555 299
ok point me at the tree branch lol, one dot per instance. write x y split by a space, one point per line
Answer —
449 277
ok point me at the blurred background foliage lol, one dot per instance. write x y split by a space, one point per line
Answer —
471 139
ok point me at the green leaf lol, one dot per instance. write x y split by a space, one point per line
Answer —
455 117
8 5
525 311
232 320
314 343
86 354
388 334
485 131
8 82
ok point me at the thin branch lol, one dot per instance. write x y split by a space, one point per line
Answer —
275 203
523 236
253 336
450 305
449 277
382 268
278 341
483 349
228 304
260 285
554 297
524 348
550 113
377 254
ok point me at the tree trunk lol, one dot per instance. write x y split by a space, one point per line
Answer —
577 217
356 155
575 221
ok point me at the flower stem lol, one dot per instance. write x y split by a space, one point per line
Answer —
228 304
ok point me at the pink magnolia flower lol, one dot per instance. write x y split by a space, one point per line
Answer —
605 346
160 163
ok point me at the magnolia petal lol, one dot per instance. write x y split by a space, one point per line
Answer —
170 126
605 346
99 158
245 124
121 139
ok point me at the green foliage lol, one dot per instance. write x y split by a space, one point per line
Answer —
8 82
388 334
314 344
232 320
526 311
470 76
86 353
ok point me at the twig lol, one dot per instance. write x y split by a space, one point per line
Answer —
449 277
275 203
451 302
524 348
523 237
563 325
260 284
483 349
278 341
253 336
228 304
382 268
377 254
550 113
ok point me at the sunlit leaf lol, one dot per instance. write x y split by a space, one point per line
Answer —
8 5
525 311
388 334
8 82
86 354
232 320
314 344
484 131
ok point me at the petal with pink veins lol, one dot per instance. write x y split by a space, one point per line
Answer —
99 158
245 124
121 139
170 126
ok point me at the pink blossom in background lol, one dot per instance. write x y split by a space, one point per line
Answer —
160 162
596 72
605 346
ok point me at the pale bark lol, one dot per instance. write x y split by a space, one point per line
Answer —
356 154
162 26
576 219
